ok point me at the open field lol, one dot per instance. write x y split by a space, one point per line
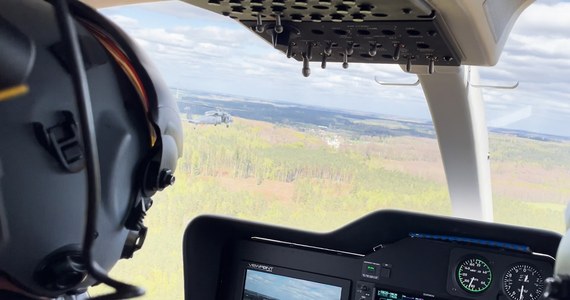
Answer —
320 179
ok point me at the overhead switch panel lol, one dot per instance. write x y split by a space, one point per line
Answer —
405 32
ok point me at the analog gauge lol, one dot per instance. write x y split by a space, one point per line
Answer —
523 282
474 275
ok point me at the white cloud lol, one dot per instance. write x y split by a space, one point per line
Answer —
180 10
546 19
124 21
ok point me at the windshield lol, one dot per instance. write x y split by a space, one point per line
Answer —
264 143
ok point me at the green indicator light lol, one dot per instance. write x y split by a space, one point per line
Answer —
371 268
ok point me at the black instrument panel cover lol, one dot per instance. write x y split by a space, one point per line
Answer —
207 237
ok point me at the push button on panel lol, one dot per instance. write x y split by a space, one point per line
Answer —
371 270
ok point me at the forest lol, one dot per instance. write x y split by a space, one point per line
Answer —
319 179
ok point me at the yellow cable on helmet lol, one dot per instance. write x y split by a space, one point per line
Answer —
12 92
124 62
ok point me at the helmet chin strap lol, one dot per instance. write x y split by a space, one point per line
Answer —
79 77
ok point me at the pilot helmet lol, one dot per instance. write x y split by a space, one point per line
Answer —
43 163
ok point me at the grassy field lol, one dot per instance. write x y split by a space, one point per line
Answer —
319 180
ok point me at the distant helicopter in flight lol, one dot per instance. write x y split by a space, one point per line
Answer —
211 117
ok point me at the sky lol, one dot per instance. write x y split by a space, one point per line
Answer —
286 288
198 50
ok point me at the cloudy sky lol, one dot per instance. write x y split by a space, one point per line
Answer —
198 50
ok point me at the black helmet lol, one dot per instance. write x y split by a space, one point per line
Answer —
43 186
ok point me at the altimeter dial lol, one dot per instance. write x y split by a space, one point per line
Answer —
523 282
474 275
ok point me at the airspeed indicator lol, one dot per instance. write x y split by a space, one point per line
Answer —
474 275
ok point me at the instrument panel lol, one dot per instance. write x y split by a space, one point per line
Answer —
248 261
411 269
502 275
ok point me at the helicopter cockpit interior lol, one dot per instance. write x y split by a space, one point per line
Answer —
387 254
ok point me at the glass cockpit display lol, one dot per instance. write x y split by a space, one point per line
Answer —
389 295
267 286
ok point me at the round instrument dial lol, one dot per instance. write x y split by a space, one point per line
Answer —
523 282
474 275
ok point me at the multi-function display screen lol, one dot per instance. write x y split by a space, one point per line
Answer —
268 286
388 295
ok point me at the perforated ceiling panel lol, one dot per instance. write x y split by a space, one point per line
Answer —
406 32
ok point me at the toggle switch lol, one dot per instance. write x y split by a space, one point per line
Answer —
397 52
259 28
290 49
409 64
374 49
328 49
306 68
349 48
309 50
431 67
278 25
